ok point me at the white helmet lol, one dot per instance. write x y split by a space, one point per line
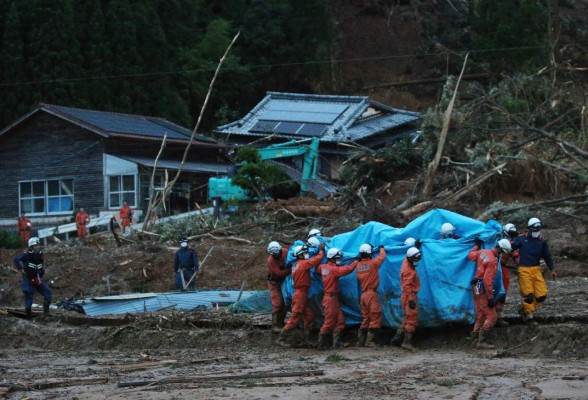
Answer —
510 230
365 249
534 224
300 250
314 232
313 241
410 241
34 241
447 229
274 248
504 245
414 255
334 253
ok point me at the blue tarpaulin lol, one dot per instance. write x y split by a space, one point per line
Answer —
444 271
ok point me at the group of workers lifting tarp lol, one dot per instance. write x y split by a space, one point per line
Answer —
525 251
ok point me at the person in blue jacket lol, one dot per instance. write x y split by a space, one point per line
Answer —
31 263
186 265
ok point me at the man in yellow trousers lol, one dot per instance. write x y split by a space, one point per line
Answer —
532 248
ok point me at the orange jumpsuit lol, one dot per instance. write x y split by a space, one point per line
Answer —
126 216
300 307
331 272
82 219
367 274
411 284
24 226
276 272
487 265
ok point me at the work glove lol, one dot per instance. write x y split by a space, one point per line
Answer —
491 303
321 246
380 246
418 244
473 282
478 242
411 304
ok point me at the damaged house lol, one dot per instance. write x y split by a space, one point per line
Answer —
339 122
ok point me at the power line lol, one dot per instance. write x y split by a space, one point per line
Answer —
260 66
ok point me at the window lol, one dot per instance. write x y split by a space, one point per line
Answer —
54 196
121 188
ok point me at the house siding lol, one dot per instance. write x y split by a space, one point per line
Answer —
45 147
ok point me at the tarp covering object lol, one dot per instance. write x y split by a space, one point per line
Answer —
444 271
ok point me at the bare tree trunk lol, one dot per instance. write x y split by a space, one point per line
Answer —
433 165
153 195
159 200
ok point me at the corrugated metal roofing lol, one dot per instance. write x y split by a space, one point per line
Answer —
343 115
189 166
170 300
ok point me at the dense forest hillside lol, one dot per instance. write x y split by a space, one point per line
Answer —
156 57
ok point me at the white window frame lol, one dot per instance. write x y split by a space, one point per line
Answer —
46 196
121 192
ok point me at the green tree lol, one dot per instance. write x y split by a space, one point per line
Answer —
261 179
509 34
14 101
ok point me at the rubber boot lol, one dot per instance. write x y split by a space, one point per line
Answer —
370 338
337 344
46 307
398 337
475 335
29 313
361 337
308 339
283 338
483 340
500 321
281 317
407 344
321 341
276 328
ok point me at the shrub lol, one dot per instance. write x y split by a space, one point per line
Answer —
9 240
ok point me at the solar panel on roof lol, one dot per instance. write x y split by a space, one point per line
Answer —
312 129
264 126
288 127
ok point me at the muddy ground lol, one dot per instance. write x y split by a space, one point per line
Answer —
69 356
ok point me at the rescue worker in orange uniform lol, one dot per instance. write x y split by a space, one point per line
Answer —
410 284
367 271
126 215
24 227
82 219
509 232
484 301
334 319
276 272
301 310
532 286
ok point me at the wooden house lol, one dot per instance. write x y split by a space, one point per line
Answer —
56 159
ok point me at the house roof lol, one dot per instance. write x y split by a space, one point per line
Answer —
329 117
189 166
110 124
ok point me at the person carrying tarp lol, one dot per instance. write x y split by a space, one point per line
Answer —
532 286
367 271
410 284
334 319
301 310
32 265
484 301
509 232
276 272
448 231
